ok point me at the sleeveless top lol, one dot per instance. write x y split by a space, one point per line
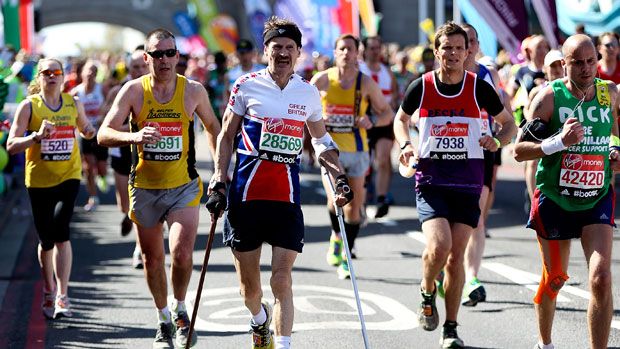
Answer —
92 102
57 158
578 177
170 162
450 128
338 109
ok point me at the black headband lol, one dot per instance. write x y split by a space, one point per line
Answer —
288 31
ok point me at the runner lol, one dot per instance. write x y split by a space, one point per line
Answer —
345 95
121 156
246 54
608 67
53 173
450 171
573 197
380 138
264 122
95 159
164 183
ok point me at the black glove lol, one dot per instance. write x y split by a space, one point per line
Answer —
216 202
343 183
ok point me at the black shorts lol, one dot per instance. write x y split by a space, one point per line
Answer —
249 224
489 162
52 209
551 222
456 207
376 133
90 146
498 157
122 164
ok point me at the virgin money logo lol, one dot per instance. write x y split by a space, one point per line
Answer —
439 130
274 125
573 161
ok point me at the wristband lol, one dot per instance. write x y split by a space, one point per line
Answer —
614 147
614 141
552 145
499 144
405 145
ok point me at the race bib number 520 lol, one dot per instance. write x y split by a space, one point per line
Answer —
59 145
581 175
281 140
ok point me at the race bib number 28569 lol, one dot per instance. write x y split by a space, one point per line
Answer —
281 140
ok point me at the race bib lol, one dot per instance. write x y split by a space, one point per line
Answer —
59 146
449 141
170 146
581 175
339 118
281 140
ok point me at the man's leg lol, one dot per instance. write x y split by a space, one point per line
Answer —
247 265
90 168
475 245
281 284
555 254
182 229
597 241
152 243
435 255
454 271
383 166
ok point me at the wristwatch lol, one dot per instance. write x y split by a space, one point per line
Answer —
405 145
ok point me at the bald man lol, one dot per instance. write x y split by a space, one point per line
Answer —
573 197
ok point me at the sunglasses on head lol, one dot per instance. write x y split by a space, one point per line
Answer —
51 72
157 54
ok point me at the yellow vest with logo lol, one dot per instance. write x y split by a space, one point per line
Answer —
169 163
57 158
338 109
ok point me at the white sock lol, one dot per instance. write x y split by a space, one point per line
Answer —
163 315
178 306
261 317
545 346
283 342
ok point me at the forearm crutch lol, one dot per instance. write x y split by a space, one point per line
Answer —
203 271
343 233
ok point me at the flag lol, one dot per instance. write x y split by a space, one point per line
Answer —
10 12
26 25
548 18
206 10
257 13
428 27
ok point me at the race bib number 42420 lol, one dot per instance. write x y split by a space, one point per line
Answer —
170 146
59 146
581 175
281 140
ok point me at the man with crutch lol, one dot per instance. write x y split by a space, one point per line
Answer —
450 169
264 122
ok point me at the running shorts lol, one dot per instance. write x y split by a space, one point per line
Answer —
355 163
121 160
456 207
90 146
376 133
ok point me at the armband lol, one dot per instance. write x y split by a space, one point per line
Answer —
499 144
323 144
614 141
534 131
552 145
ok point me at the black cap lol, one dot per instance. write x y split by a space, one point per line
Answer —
244 46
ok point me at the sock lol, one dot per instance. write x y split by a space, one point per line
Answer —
178 306
450 324
163 315
261 317
283 342
352 230
381 199
334 220
545 346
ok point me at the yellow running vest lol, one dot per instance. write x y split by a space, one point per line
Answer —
170 162
57 158
338 109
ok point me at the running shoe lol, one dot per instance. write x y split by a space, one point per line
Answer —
48 306
382 209
163 337
427 313
343 270
334 252
92 204
102 184
473 293
261 335
136 260
181 321
126 225
449 338
539 346
62 307
441 292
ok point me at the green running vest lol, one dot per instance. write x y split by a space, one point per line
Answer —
578 177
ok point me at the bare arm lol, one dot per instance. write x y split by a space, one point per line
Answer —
382 109
614 155
320 80
16 142
401 135
206 115
111 132
86 129
231 123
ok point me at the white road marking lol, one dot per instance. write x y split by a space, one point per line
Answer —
308 299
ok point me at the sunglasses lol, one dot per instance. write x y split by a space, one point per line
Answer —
51 73
610 45
157 54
